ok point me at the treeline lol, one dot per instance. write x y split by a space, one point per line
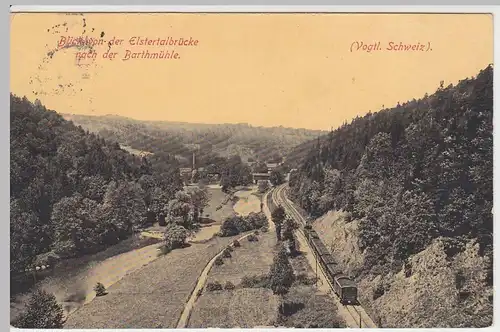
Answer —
73 192
180 139
418 171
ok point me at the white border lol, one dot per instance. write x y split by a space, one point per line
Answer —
441 9
254 9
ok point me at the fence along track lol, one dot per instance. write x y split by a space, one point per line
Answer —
278 195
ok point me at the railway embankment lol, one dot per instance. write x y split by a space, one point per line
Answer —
431 290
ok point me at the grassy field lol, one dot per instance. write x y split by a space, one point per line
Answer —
70 279
243 308
252 258
216 211
152 297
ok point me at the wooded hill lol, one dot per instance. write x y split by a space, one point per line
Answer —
73 192
410 174
181 139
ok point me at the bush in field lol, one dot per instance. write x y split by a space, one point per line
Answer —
99 289
41 312
252 238
233 225
229 285
236 244
219 261
255 281
213 286
226 253
175 236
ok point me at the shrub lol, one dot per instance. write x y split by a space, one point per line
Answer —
199 293
264 229
236 244
252 238
41 312
213 286
256 232
219 261
175 236
229 285
99 289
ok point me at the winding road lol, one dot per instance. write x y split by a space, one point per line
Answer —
354 315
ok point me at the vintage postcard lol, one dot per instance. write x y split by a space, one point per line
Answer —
245 170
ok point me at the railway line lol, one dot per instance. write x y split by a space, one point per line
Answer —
357 317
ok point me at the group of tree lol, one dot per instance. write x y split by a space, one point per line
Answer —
185 209
235 173
72 192
410 174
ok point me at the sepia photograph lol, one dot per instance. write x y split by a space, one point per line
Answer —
251 170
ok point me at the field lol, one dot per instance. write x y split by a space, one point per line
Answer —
216 211
242 307
239 308
160 290
73 279
247 201
252 258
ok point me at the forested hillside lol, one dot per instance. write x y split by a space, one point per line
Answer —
73 192
180 139
410 194
421 170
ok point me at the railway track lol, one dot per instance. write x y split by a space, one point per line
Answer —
356 312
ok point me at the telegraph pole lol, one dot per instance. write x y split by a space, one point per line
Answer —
316 271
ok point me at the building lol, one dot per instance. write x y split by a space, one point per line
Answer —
185 170
256 177
271 166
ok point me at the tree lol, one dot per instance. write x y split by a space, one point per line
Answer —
75 223
278 215
289 226
281 274
41 312
276 178
263 186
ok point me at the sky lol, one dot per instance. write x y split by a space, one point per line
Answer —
293 70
